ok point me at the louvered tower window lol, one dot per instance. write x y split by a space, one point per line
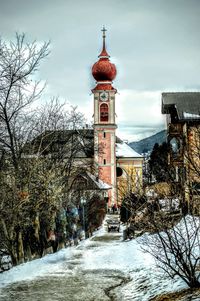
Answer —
104 112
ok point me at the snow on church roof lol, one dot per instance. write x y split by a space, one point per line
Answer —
124 150
99 183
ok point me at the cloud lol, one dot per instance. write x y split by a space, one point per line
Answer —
139 113
154 44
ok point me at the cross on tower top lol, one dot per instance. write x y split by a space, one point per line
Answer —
104 53
104 37
104 32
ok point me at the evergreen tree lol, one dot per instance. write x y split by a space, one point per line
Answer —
158 162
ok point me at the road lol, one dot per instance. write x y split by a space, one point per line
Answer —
101 268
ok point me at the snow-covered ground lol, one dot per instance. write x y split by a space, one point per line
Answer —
103 252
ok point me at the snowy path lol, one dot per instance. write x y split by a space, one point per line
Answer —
99 269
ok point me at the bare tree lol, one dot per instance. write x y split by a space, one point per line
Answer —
175 247
41 152
173 238
130 193
19 61
40 188
175 244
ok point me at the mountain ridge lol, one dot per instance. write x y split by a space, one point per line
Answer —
146 145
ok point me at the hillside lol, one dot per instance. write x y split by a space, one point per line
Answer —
147 144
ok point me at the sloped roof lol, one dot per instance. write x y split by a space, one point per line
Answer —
80 141
99 183
118 140
187 104
125 151
90 182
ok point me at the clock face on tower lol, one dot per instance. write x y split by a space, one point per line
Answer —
103 96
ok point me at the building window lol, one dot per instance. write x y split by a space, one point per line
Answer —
104 112
104 161
104 134
175 147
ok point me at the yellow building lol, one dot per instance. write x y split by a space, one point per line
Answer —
129 170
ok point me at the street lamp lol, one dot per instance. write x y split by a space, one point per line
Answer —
83 202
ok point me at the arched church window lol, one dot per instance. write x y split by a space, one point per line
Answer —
104 112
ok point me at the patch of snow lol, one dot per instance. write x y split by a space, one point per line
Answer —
151 193
36 268
190 115
124 150
5 263
127 257
100 184
169 204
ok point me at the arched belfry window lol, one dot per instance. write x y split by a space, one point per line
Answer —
103 112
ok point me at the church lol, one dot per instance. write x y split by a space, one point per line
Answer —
116 163
100 162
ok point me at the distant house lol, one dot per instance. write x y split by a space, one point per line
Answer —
183 124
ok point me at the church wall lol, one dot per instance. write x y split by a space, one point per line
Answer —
131 179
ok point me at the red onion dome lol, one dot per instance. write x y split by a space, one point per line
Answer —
104 70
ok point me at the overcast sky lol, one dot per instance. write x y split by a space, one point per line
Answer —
155 45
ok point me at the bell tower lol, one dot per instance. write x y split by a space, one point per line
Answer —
104 73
